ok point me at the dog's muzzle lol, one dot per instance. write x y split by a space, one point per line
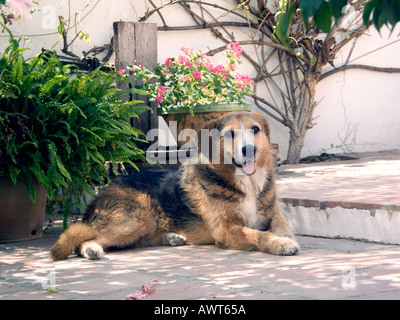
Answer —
248 163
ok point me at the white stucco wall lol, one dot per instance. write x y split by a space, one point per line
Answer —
359 110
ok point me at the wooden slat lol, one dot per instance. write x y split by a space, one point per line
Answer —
137 42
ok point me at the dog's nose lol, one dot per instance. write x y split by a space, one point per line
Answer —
249 150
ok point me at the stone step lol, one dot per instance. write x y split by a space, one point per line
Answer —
380 225
357 199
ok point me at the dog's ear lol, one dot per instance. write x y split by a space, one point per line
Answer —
264 123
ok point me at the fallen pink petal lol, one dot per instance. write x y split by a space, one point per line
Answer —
147 290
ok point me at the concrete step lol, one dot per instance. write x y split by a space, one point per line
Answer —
355 199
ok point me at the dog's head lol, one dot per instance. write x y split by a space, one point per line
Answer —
239 139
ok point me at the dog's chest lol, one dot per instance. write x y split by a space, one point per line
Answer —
251 185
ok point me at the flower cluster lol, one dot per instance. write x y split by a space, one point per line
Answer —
191 79
21 8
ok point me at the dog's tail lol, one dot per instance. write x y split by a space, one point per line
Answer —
71 239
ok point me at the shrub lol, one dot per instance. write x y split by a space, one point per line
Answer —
59 126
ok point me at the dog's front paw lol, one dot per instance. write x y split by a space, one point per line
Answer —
283 246
173 239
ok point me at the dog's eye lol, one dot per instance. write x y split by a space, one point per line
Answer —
255 129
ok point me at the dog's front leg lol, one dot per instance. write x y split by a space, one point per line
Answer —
244 238
280 239
237 237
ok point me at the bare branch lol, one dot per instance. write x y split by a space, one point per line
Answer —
261 43
65 41
283 118
200 3
159 13
205 26
360 67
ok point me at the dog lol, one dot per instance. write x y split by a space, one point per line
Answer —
229 201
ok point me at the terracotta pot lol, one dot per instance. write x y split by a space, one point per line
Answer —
203 114
20 219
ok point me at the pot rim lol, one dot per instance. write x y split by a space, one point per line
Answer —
205 108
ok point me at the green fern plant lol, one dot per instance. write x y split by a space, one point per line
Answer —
59 127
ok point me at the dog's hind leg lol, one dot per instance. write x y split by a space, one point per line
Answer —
119 234
91 250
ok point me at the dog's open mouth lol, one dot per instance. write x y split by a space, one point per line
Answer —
248 167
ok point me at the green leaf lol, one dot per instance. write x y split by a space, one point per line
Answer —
61 25
283 25
368 10
40 176
62 169
191 111
30 188
53 290
378 18
322 17
14 172
94 135
313 61
47 87
309 7
390 12
17 71
337 7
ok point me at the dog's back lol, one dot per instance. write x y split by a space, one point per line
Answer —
163 189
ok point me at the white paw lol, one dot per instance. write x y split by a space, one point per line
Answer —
173 239
92 250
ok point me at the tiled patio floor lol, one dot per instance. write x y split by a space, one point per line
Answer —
323 269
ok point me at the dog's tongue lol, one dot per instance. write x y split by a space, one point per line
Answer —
249 167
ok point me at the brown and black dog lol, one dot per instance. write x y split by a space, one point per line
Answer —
229 201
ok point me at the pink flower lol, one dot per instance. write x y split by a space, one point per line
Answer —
186 51
161 89
196 74
232 67
243 81
235 48
133 69
159 97
139 63
168 62
181 59
244 78
209 66
188 64
121 72
21 7
218 69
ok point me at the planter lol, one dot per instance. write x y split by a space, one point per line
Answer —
20 219
203 114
